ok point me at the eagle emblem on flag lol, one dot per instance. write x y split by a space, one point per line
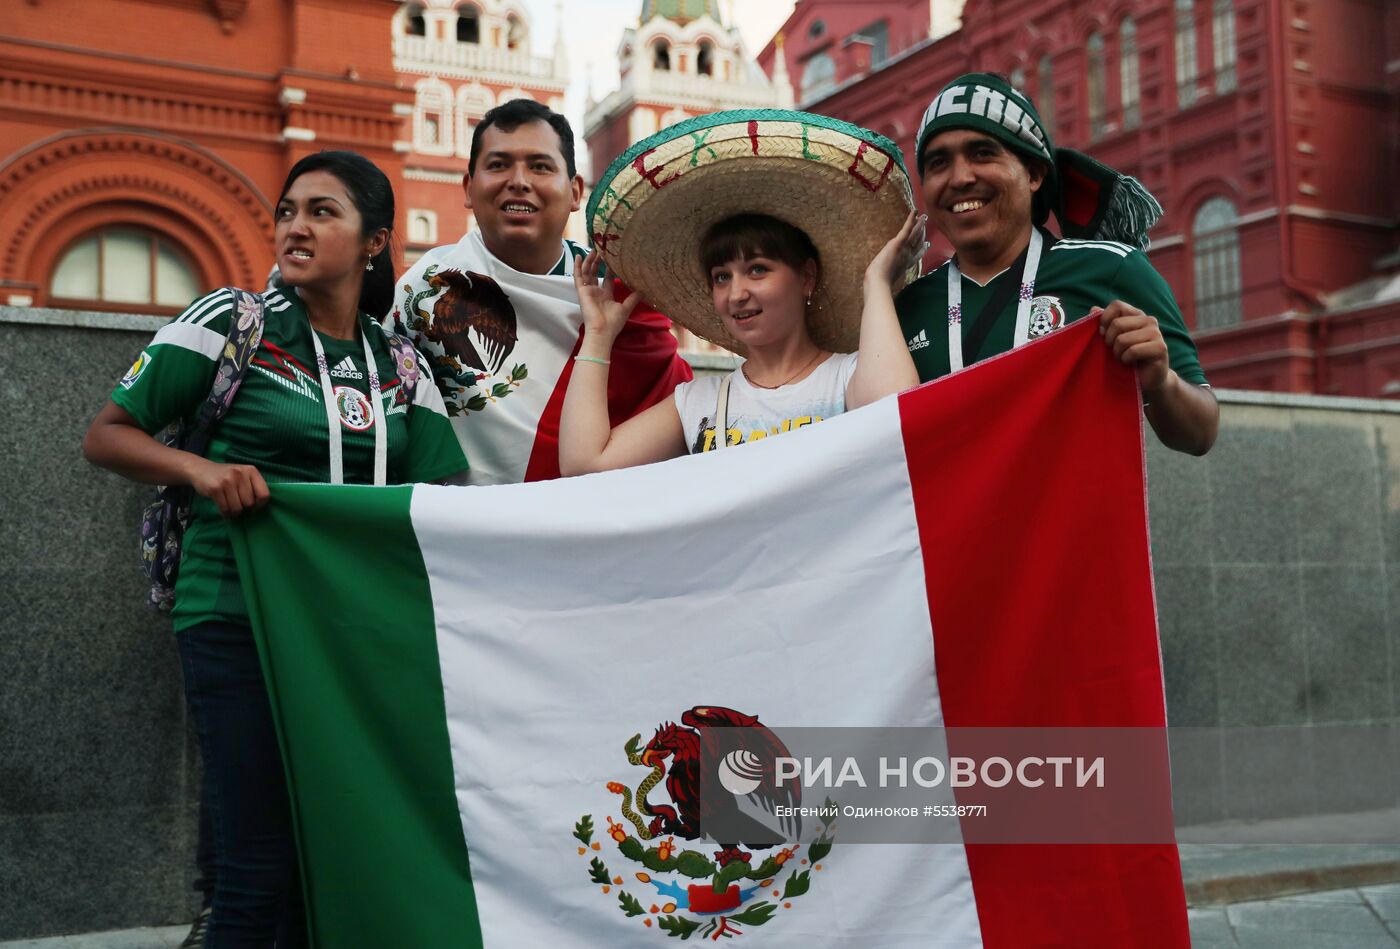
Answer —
718 768
475 323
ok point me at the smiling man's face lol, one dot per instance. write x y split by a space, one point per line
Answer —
522 195
978 193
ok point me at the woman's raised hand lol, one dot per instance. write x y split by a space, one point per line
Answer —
603 317
902 250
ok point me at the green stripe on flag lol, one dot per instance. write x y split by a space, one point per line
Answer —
344 624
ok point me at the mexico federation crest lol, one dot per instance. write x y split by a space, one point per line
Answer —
1047 315
353 405
709 841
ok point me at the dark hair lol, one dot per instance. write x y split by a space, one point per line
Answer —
509 116
373 197
756 235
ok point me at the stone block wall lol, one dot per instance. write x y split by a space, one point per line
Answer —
1277 564
97 769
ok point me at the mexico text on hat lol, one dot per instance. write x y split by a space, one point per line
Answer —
992 105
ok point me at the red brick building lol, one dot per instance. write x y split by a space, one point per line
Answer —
824 45
142 142
461 58
1269 130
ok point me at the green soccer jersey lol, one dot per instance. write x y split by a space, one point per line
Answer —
1074 276
278 423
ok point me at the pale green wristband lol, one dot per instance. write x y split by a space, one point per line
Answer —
601 362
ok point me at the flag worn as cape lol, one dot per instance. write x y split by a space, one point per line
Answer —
500 344
456 711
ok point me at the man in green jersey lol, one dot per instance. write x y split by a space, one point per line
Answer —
990 178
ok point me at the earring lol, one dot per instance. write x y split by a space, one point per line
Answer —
809 300
369 264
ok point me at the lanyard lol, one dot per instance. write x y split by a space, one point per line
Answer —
328 396
1023 303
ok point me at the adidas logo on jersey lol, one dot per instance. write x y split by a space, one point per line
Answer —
345 369
919 341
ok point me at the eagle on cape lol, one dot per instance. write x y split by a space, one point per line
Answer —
473 304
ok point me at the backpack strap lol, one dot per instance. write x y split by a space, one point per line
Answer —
406 362
244 334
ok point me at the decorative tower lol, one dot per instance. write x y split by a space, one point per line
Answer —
681 60
461 58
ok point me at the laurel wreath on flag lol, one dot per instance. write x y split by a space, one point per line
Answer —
664 857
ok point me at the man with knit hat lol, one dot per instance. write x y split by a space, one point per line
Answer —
990 178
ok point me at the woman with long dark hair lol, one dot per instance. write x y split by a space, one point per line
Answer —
324 399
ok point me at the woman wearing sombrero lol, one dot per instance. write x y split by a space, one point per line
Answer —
768 233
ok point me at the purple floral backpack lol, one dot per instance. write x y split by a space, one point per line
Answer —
164 520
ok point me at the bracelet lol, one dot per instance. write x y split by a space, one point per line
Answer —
601 362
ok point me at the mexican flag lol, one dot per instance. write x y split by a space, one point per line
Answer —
491 699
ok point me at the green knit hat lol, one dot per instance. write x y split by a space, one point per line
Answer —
1091 201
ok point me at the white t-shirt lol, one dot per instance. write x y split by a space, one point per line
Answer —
756 413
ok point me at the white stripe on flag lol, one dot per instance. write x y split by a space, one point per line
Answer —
632 604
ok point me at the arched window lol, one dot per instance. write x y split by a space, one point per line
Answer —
468 24
1045 93
473 101
1222 24
432 118
413 22
1216 252
661 56
1186 52
705 59
422 227
125 265
1128 72
818 73
1098 107
515 32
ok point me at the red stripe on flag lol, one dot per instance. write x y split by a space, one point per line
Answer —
1029 483
645 369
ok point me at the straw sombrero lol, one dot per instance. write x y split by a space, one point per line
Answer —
844 186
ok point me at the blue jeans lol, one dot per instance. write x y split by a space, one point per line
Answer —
257 885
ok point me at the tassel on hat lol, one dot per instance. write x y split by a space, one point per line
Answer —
1094 202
